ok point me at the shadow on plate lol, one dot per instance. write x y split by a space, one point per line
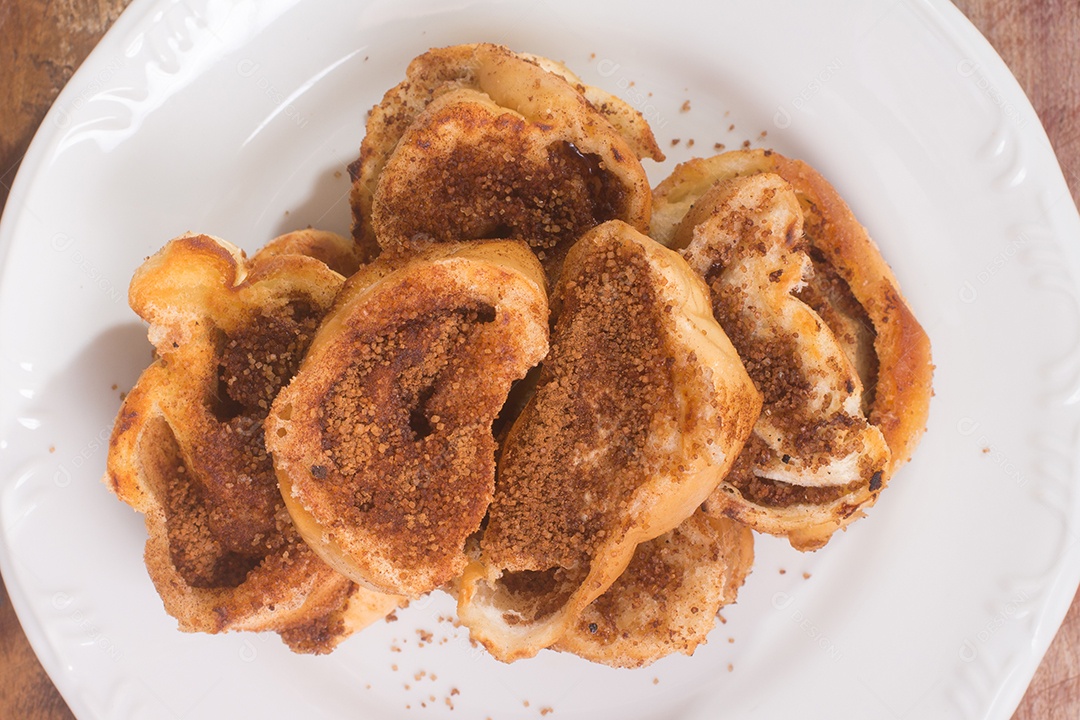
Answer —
326 206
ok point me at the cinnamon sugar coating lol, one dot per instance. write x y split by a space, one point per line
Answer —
842 411
668 597
639 410
188 450
383 442
483 143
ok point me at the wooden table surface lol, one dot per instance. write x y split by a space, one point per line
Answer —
43 42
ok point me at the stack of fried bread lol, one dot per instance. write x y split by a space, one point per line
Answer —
527 380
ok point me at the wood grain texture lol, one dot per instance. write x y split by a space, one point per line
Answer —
43 41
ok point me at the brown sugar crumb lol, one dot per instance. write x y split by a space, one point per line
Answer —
392 617
547 197
685 106
52 448
606 361
115 386
592 56
719 146
525 703
783 571
690 143
380 449
675 141
731 127
546 710
730 667
656 681
731 641
986 451
806 576
721 618
394 667
773 363
745 144
425 636
764 134
337 174
454 691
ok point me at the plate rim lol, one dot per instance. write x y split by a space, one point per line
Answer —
955 26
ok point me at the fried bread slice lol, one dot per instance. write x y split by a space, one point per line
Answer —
668 597
187 448
383 441
641 407
851 287
826 271
481 142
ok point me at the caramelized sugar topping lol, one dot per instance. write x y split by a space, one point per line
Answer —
402 441
224 513
574 462
501 179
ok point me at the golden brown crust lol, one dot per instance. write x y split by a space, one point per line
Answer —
480 142
855 293
640 409
382 442
667 599
905 370
187 446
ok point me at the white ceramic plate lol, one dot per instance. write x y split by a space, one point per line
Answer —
238 118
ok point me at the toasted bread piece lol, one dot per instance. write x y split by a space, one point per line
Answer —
640 409
846 284
667 599
187 448
480 142
383 441
851 281
814 451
